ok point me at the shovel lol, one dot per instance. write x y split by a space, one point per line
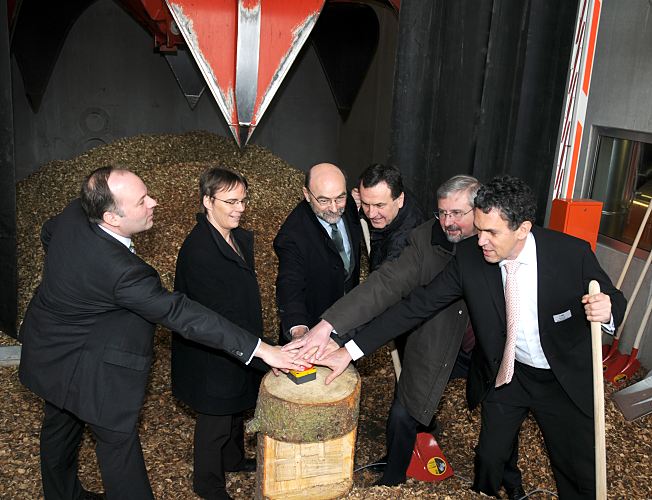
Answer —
598 405
636 400
627 366
610 351
614 356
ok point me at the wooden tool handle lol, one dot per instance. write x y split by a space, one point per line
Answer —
634 245
631 300
641 329
598 404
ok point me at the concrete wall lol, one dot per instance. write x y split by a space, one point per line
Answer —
109 83
621 97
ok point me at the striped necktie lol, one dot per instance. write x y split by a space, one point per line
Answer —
339 245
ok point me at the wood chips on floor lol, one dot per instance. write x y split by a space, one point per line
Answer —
170 165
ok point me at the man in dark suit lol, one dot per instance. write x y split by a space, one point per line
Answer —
525 288
88 335
318 249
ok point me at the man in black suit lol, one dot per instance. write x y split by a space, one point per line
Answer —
318 249
533 346
88 335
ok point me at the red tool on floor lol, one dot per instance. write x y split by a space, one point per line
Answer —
615 360
627 366
428 462
609 351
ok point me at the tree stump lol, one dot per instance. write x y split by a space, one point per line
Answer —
306 436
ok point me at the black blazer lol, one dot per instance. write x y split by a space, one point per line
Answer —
88 330
311 274
210 272
565 265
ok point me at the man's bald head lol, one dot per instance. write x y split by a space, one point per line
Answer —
117 199
323 171
325 191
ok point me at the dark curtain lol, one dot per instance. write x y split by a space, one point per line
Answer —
479 90
8 266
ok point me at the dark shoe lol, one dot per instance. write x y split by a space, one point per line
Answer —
248 465
217 495
383 482
378 466
91 495
515 493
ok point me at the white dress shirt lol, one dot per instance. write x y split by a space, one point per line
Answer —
528 343
122 239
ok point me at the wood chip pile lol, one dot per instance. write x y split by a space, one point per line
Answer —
170 166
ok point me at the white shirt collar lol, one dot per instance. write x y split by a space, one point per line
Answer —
327 225
122 239
528 254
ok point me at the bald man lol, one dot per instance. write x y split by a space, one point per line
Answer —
318 249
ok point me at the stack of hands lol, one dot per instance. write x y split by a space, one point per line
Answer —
315 347
308 347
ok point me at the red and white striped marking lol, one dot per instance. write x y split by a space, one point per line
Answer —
581 67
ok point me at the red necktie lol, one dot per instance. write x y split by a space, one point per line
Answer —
512 310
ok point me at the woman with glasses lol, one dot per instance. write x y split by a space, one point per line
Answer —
215 267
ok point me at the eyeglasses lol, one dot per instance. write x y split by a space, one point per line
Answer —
453 214
233 202
324 202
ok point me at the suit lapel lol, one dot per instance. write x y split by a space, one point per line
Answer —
228 252
106 236
546 275
353 235
245 241
494 281
319 228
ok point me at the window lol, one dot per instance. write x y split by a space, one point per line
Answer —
622 180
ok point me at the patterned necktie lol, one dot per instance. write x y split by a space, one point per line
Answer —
132 248
506 370
339 245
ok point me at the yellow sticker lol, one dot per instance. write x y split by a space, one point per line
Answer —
436 466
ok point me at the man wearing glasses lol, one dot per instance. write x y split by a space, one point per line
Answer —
318 249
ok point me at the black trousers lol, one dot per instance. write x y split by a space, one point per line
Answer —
218 447
567 432
119 456
402 431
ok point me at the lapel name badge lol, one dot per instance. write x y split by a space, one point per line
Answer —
562 316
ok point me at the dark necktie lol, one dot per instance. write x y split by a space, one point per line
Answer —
339 245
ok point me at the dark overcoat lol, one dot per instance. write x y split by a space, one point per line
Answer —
431 348
212 273
311 274
388 243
